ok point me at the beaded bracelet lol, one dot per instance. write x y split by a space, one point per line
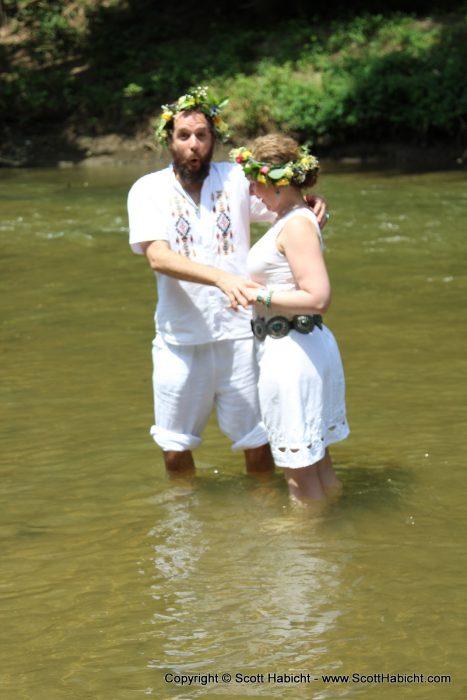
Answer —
266 300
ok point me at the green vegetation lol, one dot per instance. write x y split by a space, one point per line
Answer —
332 78
367 77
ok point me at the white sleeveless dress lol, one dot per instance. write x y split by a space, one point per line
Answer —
301 378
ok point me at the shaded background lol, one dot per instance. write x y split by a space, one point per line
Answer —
343 76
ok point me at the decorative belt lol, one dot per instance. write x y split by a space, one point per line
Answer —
280 326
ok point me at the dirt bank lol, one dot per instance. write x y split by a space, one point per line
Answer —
56 149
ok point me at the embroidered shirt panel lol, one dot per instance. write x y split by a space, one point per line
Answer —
214 233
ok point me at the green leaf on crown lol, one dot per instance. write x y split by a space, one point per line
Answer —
276 174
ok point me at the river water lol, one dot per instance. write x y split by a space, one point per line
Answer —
115 582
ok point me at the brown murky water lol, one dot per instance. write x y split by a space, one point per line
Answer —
117 584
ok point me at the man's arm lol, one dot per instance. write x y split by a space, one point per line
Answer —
164 260
319 207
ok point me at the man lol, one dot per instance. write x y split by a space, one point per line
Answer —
192 221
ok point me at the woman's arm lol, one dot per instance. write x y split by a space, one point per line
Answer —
300 243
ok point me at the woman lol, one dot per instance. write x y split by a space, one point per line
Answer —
301 381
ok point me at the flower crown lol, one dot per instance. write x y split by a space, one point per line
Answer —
292 173
200 99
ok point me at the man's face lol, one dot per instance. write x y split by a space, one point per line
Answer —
191 146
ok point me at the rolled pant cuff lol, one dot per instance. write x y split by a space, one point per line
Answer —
176 442
255 438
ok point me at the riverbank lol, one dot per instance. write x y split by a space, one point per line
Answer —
366 87
65 150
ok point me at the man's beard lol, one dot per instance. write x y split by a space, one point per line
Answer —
186 174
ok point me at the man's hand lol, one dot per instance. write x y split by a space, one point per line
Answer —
319 207
168 262
236 288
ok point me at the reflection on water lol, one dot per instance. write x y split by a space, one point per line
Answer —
274 593
113 577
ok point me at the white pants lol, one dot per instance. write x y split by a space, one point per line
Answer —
189 380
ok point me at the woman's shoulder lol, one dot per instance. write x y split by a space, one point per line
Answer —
301 222
301 212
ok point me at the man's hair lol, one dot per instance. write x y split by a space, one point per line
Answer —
193 110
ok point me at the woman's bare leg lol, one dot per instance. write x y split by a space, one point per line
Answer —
304 484
327 476
313 483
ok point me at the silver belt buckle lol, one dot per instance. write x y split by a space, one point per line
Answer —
278 326
303 323
258 326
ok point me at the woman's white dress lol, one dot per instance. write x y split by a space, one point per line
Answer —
301 378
